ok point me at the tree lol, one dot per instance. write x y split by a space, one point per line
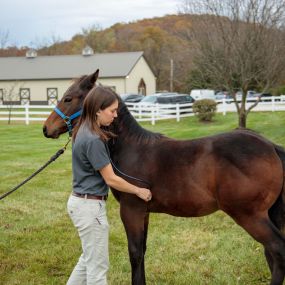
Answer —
239 45
157 46
10 98
4 36
99 40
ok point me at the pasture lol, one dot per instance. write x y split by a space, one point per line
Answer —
39 245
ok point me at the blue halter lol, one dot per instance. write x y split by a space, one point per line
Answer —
67 119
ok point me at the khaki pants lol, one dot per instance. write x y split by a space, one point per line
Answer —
90 219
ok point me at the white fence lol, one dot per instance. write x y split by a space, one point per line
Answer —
274 103
26 113
150 113
155 112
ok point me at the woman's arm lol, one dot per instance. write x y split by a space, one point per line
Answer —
122 185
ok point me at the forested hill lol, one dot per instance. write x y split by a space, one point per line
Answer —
161 39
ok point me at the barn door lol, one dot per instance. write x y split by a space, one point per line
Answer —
142 87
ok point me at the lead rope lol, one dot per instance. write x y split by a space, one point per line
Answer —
53 158
122 173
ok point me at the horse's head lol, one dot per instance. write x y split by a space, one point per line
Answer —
68 109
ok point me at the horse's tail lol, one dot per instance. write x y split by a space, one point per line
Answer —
277 211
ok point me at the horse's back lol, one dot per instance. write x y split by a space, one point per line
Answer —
227 171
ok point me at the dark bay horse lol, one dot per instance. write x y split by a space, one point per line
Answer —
239 172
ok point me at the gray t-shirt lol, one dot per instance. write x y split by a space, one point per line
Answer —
89 155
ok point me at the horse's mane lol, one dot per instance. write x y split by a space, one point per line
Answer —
126 123
131 126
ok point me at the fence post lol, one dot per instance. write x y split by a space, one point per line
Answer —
157 110
273 103
27 113
152 115
140 111
177 112
224 106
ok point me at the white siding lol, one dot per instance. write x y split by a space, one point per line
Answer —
130 83
38 89
117 83
141 71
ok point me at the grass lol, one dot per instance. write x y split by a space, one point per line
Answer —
39 245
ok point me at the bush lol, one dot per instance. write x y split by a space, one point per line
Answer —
205 109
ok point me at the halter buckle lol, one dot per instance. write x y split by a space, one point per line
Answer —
66 119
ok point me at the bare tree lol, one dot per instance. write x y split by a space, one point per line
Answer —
10 98
239 45
4 36
49 46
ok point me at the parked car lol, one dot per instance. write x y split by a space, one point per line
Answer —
152 99
148 100
267 96
166 98
198 94
163 98
251 94
174 99
219 95
132 98
166 93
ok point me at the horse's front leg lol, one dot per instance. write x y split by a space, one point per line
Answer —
135 219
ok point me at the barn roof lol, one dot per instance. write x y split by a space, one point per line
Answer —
117 64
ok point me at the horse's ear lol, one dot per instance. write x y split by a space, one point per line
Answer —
89 82
95 76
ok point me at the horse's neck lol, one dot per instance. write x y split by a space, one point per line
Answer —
130 133
128 127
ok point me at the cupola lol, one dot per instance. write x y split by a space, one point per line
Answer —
31 53
87 51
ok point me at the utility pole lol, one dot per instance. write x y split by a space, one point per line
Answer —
171 75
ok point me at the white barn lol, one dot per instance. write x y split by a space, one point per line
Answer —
44 79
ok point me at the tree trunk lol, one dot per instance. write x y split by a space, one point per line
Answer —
242 119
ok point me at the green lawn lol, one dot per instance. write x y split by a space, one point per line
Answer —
39 245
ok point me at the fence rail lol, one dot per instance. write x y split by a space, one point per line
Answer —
25 113
150 113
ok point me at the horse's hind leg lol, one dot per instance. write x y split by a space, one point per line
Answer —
276 215
263 230
269 259
136 225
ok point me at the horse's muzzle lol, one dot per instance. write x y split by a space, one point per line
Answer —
55 134
45 131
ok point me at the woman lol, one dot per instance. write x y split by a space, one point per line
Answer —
92 174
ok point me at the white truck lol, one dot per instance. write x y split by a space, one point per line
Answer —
199 94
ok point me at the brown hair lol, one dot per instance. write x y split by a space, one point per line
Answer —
98 98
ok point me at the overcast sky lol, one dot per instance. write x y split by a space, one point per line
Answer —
34 22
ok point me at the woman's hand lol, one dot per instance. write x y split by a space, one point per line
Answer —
122 185
144 194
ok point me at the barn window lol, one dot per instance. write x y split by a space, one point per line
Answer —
25 96
1 96
52 96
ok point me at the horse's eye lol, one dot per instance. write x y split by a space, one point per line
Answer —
67 99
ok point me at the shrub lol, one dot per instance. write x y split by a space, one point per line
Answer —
205 109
